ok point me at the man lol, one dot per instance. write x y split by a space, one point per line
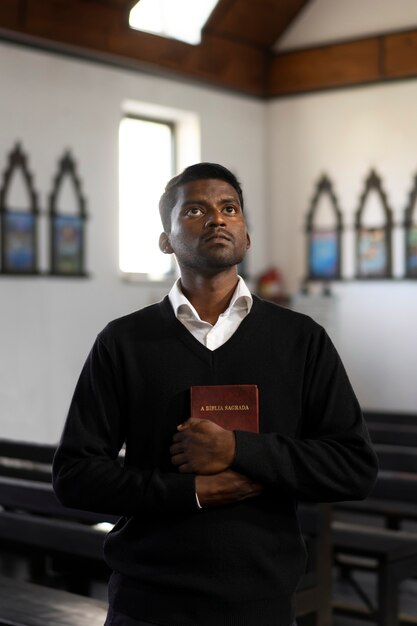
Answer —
208 534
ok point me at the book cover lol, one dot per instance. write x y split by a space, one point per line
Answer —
234 407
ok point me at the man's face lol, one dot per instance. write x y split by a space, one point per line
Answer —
208 229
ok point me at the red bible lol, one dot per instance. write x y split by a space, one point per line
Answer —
234 407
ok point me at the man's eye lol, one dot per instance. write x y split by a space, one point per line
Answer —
194 211
230 209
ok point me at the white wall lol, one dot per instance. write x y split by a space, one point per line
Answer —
51 104
279 150
344 134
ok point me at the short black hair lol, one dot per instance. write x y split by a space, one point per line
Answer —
199 171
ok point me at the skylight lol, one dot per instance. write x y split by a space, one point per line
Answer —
179 19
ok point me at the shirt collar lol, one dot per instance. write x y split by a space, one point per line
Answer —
242 298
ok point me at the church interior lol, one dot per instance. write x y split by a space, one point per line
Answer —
312 104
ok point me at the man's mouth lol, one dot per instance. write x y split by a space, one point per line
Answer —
217 237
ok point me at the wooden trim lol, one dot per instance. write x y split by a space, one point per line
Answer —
372 60
98 30
10 14
101 32
338 65
400 55
257 23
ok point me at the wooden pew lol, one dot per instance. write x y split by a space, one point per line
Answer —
26 604
397 458
39 498
34 523
394 499
391 553
393 434
392 428
31 461
22 459
390 417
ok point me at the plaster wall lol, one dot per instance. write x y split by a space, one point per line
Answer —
51 103
344 134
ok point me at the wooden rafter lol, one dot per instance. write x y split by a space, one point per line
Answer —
235 52
258 23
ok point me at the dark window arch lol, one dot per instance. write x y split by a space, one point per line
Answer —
410 233
324 242
67 228
19 231
373 241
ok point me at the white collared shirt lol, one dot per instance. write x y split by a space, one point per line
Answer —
212 336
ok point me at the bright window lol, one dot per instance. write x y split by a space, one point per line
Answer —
146 162
179 19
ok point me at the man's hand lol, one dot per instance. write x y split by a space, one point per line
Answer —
202 447
225 488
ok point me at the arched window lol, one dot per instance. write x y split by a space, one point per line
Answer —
410 234
67 215
324 228
373 226
18 215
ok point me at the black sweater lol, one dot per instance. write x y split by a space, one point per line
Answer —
235 565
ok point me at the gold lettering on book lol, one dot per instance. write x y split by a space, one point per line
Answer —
237 407
226 407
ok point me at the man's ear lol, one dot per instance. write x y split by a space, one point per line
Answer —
248 241
164 244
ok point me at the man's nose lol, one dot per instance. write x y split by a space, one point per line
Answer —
215 218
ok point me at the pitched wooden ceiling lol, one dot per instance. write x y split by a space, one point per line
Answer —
235 52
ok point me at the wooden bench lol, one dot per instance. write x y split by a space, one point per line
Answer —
397 458
26 604
391 554
22 459
38 497
392 428
390 417
34 523
394 497
397 434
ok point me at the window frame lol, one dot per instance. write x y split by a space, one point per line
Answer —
148 277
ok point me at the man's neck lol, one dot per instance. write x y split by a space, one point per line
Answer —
210 296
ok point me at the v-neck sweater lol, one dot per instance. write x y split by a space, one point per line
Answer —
234 565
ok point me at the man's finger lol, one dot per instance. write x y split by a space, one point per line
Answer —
186 468
178 459
189 423
176 448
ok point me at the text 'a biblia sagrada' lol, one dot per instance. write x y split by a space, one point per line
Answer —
225 407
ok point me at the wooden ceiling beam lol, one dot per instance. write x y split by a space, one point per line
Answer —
218 61
257 23
10 14
400 55
125 5
100 30
325 67
374 59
